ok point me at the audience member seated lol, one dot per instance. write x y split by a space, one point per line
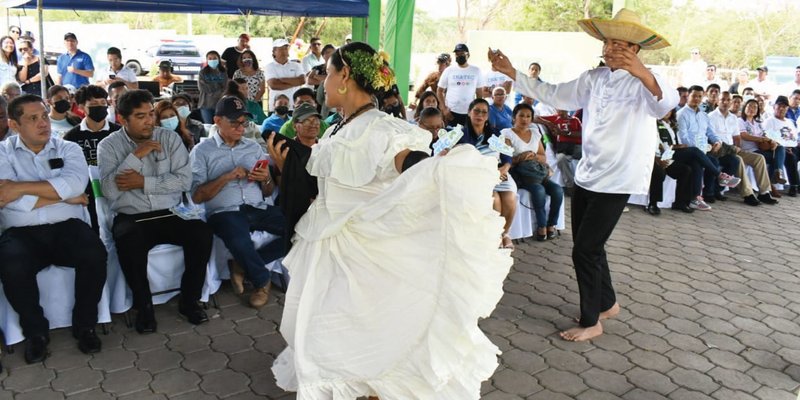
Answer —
426 100
144 171
165 77
167 118
392 104
726 125
183 104
682 174
793 112
61 121
712 99
306 121
787 130
684 155
5 131
88 134
694 130
115 89
683 97
499 112
228 178
41 205
568 144
431 120
302 95
477 132
754 139
526 138
736 105
279 117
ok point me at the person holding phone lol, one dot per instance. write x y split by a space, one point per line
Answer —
29 73
117 71
231 176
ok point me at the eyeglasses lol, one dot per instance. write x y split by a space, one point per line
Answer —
479 112
235 124
310 122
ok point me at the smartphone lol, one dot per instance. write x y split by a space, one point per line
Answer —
260 164
111 76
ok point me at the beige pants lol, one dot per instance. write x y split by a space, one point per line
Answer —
755 161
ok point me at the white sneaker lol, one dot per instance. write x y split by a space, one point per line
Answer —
699 205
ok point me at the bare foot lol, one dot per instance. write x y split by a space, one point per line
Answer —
610 313
580 334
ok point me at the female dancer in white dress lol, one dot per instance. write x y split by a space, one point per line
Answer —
390 272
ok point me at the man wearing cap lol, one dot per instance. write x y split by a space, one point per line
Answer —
458 86
431 81
144 170
306 121
762 86
620 103
165 76
228 179
283 76
231 55
788 132
74 67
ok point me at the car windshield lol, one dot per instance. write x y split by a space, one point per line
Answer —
179 51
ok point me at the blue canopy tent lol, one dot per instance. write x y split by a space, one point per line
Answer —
366 13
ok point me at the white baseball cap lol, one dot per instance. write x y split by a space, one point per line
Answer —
280 43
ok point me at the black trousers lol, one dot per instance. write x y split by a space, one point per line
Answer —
135 235
681 172
594 216
27 250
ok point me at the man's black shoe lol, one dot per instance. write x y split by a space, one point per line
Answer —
653 209
682 207
767 199
88 342
792 191
193 313
709 199
146 319
751 200
36 349
720 197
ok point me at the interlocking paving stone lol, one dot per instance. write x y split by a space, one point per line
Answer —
692 379
651 380
562 382
41 394
94 394
606 381
155 361
124 382
684 394
29 378
77 380
174 382
225 383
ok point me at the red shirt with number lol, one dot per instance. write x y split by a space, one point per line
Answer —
566 124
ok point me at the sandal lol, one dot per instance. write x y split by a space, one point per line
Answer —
541 237
553 234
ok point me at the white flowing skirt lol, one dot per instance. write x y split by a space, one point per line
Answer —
388 306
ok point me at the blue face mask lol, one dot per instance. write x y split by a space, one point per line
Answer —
170 123
213 63
184 111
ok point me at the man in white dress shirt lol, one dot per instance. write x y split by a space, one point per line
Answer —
620 103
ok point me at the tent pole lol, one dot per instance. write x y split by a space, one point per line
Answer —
42 58
397 41
368 29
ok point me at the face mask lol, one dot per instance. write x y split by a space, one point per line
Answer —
98 113
461 60
393 109
62 106
170 123
184 111
213 63
247 61
282 110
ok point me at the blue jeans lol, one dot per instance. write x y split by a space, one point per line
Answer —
234 228
775 159
697 161
208 115
538 197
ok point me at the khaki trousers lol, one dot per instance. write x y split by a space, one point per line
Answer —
755 161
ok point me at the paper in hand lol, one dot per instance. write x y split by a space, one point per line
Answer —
447 140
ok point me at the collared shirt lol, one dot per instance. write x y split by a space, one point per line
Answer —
124 73
274 123
80 61
725 126
167 173
311 61
18 163
792 114
289 69
213 158
694 129
619 125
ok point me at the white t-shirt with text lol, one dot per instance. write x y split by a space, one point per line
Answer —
460 84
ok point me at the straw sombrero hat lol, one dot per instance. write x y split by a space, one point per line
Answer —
627 26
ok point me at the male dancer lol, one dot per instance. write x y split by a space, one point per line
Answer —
620 103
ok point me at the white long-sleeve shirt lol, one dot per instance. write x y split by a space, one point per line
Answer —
619 125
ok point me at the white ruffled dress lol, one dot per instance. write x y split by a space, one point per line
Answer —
391 272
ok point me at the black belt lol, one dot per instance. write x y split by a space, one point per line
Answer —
146 216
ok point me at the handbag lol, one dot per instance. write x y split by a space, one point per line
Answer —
764 146
531 172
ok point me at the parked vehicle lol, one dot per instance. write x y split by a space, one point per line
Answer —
185 57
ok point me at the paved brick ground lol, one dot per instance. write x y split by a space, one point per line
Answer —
711 310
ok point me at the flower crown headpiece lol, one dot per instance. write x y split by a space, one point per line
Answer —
374 68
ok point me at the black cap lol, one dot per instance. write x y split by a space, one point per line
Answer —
231 107
303 111
443 58
166 64
461 47
70 35
763 68
782 100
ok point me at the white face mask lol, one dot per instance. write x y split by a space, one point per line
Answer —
170 123
184 111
